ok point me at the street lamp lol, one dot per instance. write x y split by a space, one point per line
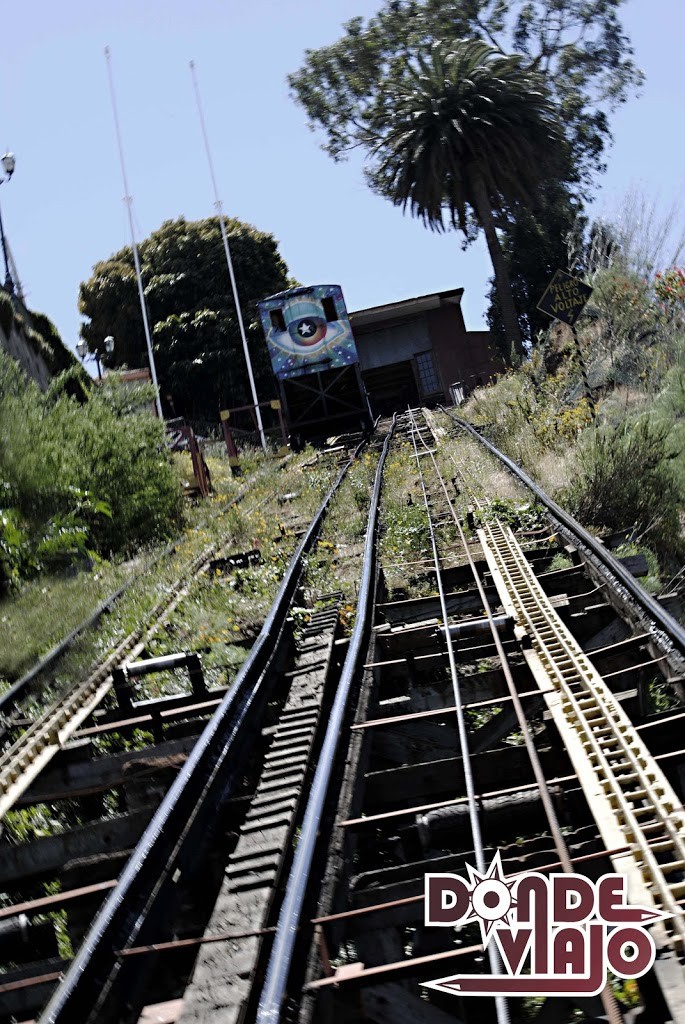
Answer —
84 352
8 164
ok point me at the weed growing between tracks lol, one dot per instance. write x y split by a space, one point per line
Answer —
219 616
334 564
474 471
405 537
481 474
406 551
405 546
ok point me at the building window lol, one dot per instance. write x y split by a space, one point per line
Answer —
428 377
277 319
329 310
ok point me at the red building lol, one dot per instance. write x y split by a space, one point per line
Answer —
413 351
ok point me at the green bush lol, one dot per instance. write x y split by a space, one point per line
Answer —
629 319
626 479
14 550
75 477
39 345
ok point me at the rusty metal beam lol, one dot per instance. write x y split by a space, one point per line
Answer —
660 721
619 643
147 717
407 900
349 973
633 668
54 902
374 818
437 712
40 979
200 940
403 812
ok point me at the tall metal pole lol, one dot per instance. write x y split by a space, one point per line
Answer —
220 214
128 199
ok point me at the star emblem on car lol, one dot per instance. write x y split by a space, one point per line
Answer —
306 328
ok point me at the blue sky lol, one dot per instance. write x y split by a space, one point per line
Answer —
63 209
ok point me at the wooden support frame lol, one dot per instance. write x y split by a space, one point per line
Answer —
229 439
312 400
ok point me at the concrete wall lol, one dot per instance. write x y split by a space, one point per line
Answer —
20 348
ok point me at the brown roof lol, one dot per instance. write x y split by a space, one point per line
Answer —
405 307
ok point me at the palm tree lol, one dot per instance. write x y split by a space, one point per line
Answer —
467 134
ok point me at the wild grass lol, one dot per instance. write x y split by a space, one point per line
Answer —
78 476
46 609
624 469
405 548
335 562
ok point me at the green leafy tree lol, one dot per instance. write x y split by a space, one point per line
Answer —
467 132
196 339
578 47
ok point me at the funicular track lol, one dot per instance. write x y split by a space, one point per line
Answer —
87 860
372 951
31 683
23 757
390 763
44 737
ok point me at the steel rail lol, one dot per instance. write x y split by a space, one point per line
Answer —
514 696
165 852
501 1005
572 530
608 1000
591 709
278 969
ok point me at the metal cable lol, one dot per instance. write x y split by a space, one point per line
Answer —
501 1006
